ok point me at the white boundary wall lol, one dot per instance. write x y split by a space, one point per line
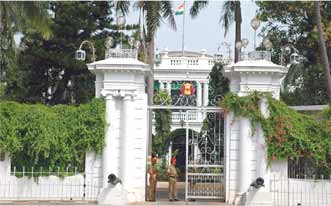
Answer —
85 186
292 191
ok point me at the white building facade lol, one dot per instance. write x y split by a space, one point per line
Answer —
172 69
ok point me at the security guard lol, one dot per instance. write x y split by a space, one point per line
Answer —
152 179
172 173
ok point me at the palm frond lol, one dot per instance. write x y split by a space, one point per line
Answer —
227 15
122 6
196 7
167 12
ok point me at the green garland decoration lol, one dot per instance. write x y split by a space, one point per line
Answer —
288 133
50 137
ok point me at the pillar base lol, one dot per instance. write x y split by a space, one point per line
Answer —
112 195
254 198
240 199
117 195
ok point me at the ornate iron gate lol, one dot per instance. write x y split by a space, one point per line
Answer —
204 143
204 165
204 157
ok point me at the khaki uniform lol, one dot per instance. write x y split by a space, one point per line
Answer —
152 183
172 173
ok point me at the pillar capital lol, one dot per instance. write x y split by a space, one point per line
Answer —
111 94
255 75
128 97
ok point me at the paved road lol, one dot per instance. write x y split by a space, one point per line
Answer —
162 199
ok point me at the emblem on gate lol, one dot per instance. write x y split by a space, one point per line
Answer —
187 89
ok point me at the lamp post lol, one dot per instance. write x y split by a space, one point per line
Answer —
241 44
295 58
228 46
81 54
120 21
255 24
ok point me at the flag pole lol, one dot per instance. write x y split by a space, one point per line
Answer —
183 37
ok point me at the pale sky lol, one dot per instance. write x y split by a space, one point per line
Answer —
205 31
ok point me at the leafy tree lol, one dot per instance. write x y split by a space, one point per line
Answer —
47 70
294 23
218 84
231 12
17 17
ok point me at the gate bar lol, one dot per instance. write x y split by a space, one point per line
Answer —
186 159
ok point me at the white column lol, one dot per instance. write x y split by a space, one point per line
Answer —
205 93
169 87
199 94
98 84
161 85
126 141
262 169
110 155
244 155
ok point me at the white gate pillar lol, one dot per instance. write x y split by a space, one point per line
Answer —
199 94
5 164
205 93
257 73
244 155
121 81
112 138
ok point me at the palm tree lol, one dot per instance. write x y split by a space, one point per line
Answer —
231 12
17 17
152 12
324 54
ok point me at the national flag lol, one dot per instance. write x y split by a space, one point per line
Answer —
180 9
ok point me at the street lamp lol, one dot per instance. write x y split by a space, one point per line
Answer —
120 21
81 54
242 44
109 42
255 24
267 43
295 58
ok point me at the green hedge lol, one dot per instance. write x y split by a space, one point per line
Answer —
58 136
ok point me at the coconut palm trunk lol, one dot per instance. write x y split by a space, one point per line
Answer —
323 52
150 85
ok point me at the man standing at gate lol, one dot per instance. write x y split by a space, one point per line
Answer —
172 173
152 179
